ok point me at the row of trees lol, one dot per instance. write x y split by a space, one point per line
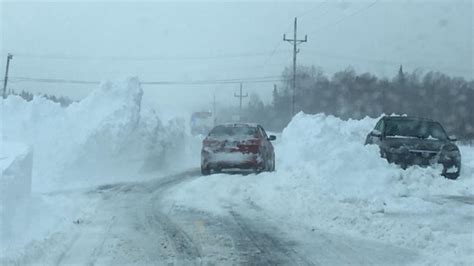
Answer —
28 96
348 94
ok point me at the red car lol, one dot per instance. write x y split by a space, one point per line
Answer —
237 146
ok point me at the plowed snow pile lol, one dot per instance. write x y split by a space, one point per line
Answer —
332 151
327 179
107 135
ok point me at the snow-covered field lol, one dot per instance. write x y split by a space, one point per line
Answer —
327 185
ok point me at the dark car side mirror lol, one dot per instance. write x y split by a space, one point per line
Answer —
452 138
272 138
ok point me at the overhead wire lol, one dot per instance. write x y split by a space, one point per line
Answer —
279 43
195 82
328 25
306 12
140 58
356 12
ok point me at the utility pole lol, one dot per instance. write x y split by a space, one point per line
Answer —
295 43
240 96
214 109
5 80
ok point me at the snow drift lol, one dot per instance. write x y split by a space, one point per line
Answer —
341 166
107 137
328 179
16 161
109 133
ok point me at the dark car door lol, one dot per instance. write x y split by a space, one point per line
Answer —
375 136
267 145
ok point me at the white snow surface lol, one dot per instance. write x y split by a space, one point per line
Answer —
327 179
81 145
107 137
15 183
10 151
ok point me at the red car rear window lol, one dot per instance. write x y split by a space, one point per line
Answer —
234 131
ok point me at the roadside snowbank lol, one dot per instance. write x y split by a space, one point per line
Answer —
109 133
107 137
333 152
16 161
327 179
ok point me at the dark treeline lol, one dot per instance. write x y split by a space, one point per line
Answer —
348 94
28 96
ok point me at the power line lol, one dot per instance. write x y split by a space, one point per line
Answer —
278 43
358 59
267 79
313 8
49 80
208 82
275 50
141 58
346 17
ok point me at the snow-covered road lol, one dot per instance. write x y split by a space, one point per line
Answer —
128 223
109 186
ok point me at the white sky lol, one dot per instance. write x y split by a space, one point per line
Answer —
172 41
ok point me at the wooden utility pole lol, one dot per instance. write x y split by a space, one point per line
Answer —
240 96
5 80
214 109
295 43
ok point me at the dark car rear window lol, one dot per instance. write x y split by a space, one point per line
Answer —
233 131
201 115
415 128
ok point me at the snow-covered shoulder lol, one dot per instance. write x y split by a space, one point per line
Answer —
327 179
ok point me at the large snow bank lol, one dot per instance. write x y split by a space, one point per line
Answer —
332 151
327 178
15 181
108 136
16 161
103 135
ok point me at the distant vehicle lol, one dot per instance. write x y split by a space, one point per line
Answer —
201 123
408 141
237 146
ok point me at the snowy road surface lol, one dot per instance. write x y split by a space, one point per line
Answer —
328 202
127 223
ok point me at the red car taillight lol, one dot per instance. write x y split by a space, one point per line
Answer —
210 144
250 146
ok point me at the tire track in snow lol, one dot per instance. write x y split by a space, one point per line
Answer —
184 247
64 254
98 249
271 250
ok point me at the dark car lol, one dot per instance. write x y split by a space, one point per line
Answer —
408 141
201 123
237 146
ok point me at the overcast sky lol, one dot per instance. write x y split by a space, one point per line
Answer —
186 41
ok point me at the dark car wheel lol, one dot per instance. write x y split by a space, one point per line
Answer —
270 164
452 176
205 171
